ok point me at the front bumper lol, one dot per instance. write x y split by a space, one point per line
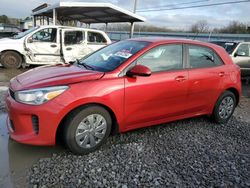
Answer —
24 129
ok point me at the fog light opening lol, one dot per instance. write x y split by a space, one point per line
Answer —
35 123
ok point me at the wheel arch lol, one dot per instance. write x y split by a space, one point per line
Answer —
12 50
236 93
114 128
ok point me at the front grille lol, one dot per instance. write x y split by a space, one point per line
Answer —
35 123
12 93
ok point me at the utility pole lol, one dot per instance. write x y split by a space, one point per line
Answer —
132 23
135 5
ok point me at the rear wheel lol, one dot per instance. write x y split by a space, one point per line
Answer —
87 129
224 107
11 60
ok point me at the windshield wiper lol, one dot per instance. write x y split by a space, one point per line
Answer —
86 66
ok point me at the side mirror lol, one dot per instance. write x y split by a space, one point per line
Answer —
139 70
239 53
30 40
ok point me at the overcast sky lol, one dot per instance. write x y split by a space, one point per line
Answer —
217 16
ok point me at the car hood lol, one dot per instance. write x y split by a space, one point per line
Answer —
53 76
10 41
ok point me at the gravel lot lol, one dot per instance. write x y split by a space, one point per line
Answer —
2 96
187 153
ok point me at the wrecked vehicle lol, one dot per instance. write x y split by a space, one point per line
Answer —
46 44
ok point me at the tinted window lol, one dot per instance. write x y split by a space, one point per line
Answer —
228 46
112 56
163 58
45 35
243 50
73 37
96 38
201 57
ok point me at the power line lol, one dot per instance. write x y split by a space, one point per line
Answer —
194 6
109 1
175 4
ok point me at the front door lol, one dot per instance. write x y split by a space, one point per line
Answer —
161 95
44 46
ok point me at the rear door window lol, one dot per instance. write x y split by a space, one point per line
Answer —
96 38
202 57
73 37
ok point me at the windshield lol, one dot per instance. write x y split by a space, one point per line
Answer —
109 58
22 34
229 46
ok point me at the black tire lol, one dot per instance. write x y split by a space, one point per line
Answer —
217 112
11 60
71 127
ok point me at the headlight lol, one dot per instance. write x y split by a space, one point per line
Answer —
39 96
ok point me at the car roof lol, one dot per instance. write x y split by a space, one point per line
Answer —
162 40
69 27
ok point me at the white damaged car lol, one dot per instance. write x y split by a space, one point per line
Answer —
50 44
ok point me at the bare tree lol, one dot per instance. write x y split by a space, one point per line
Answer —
200 26
235 27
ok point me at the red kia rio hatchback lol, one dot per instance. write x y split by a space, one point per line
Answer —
127 85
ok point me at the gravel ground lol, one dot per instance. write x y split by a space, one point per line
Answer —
2 96
187 153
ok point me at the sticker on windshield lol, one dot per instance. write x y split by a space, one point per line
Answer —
124 53
229 44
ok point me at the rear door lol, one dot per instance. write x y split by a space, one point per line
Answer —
206 73
74 44
161 95
44 46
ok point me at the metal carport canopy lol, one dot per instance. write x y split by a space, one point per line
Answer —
88 13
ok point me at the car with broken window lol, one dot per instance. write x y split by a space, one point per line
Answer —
240 53
50 44
127 85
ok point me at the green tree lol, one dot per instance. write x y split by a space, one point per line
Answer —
4 19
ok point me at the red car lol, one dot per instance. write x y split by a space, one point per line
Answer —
127 85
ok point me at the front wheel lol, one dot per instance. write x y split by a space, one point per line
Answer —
224 107
87 129
11 60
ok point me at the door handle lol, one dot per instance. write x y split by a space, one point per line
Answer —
221 74
68 48
180 78
53 45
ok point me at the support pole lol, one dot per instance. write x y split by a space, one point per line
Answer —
106 27
47 20
132 29
54 16
43 20
34 21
